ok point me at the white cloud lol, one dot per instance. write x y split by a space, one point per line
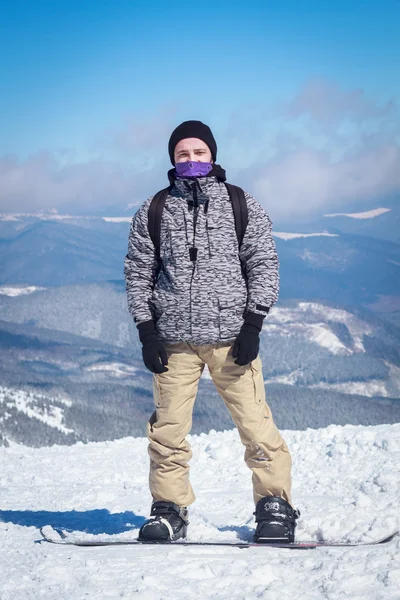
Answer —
326 148
41 182
322 150
325 101
308 181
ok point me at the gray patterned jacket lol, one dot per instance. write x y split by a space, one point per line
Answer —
203 301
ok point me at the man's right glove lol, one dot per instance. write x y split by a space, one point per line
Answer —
154 354
247 343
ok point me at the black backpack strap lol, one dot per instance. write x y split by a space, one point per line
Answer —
154 217
239 207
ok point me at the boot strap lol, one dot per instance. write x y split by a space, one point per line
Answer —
166 508
167 525
275 515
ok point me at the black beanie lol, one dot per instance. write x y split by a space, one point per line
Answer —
192 129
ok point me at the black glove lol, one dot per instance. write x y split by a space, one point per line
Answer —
247 343
154 354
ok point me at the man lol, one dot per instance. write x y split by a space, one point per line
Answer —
205 304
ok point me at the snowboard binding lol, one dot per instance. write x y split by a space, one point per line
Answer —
168 522
276 520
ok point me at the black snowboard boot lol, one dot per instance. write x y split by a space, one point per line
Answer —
168 522
276 520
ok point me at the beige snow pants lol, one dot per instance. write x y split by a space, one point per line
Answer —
242 389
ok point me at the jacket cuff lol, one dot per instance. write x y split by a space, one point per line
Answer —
146 328
254 319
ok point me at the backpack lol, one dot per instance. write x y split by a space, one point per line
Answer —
239 207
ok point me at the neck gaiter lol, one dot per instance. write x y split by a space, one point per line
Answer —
193 169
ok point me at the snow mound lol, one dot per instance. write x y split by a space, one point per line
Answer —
345 482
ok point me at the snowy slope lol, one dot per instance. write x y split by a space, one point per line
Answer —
34 406
291 236
341 333
33 418
54 216
379 223
19 290
311 319
346 484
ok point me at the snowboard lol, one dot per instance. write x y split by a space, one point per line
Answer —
63 537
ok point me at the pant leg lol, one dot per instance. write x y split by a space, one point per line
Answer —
242 389
174 395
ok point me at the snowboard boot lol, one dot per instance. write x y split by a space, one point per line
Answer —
276 520
168 522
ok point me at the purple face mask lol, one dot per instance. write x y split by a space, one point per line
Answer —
193 169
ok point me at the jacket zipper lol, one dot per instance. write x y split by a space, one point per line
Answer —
193 249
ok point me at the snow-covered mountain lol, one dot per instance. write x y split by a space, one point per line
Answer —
342 259
366 214
49 253
348 362
28 415
99 311
55 216
19 290
322 364
331 345
346 483
284 235
377 221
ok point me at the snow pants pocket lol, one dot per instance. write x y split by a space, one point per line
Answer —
258 380
157 391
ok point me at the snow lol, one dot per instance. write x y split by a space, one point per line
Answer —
286 379
50 215
371 388
346 484
291 321
19 291
206 373
10 217
115 369
117 219
322 335
368 214
291 236
54 216
356 327
25 402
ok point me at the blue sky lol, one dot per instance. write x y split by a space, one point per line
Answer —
89 83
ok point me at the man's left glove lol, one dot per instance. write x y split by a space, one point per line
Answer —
247 344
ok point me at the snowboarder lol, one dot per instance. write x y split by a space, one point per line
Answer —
199 286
